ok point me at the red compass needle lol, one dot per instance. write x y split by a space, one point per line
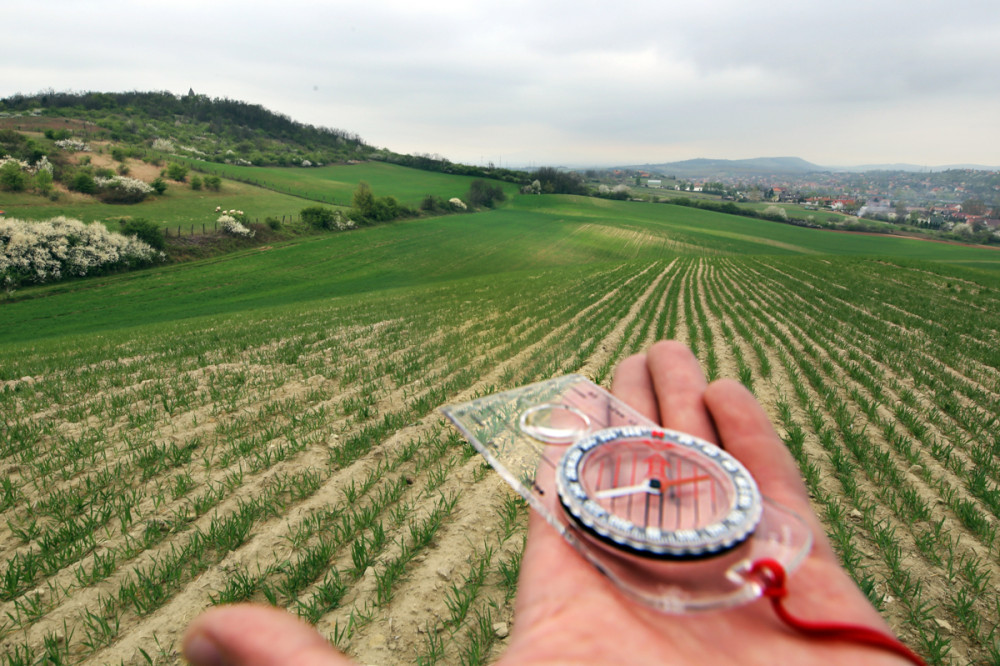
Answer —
689 479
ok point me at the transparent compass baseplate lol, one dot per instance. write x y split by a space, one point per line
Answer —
673 521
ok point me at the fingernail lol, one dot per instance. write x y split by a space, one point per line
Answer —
201 651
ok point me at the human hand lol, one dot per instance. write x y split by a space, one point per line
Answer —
568 613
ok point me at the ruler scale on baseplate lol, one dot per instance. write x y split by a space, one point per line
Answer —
673 520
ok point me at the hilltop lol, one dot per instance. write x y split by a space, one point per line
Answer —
714 168
217 130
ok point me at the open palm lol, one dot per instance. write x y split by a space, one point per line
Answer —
568 613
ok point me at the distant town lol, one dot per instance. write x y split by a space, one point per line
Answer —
962 202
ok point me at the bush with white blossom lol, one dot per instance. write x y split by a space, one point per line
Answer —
62 247
122 189
457 204
775 212
230 225
76 145
342 222
166 145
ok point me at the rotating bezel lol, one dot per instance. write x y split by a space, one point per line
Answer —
721 535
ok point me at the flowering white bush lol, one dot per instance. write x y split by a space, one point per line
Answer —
46 251
776 211
24 166
75 145
166 145
122 189
42 164
963 229
230 225
457 203
342 222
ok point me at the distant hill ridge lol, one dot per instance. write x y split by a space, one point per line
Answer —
703 167
714 168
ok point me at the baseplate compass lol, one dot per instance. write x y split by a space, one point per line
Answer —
673 520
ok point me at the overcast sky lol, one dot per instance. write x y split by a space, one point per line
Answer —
839 82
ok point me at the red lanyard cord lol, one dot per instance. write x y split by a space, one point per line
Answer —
773 576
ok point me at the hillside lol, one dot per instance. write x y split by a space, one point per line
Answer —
219 130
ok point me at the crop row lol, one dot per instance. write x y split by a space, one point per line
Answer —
296 458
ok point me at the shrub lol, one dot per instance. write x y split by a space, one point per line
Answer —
159 185
122 189
177 172
12 177
432 203
385 209
231 226
74 145
776 213
196 183
272 223
213 183
318 216
363 201
482 193
148 232
83 182
166 145
43 181
46 251
554 181
457 204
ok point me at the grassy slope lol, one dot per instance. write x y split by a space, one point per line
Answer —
530 234
291 189
335 184
180 205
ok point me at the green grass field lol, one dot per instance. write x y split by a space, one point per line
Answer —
179 205
532 233
264 425
335 184
282 193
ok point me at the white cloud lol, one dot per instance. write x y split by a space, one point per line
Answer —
558 81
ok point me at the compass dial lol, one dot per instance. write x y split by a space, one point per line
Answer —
658 493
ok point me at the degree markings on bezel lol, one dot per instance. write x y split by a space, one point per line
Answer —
720 534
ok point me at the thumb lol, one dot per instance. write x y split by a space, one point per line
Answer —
248 635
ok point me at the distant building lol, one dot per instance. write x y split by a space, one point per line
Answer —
654 183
